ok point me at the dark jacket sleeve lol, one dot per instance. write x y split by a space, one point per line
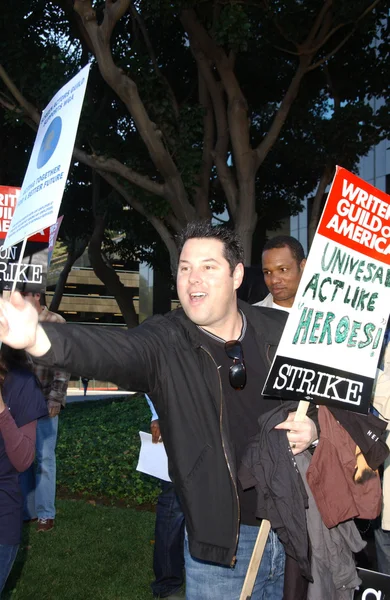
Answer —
129 358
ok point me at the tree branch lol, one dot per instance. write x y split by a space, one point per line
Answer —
329 34
157 223
75 249
272 135
95 162
112 165
234 124
127 91
141 24
20 99
318 23
220 151
67 7
113 12
202 192
107 166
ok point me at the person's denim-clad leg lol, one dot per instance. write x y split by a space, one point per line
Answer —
207 581
8 554
39 491
168 559
45 489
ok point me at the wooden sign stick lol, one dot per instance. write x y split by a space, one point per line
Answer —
19 265
258 550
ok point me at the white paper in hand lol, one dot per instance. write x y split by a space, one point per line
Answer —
153 459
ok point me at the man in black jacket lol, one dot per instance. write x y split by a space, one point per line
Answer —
204 367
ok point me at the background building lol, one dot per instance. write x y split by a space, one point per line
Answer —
373 168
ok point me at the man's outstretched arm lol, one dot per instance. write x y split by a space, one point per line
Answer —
128 358
19 326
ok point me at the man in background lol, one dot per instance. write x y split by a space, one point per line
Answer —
283 261
168 555
39 481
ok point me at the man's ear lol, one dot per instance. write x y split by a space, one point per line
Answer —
238 275
302 264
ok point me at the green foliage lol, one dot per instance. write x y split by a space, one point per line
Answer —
98 447
233 27
331 120
94 553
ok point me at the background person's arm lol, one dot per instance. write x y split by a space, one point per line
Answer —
19 442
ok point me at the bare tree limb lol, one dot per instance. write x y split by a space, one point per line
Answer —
106 167
127 91
74 18
236 125
201 199
141 24
75 249
112 165
101 265
171 220
8 105
239 127
157 223
20 99
308 43
220 152
269 140
319 34
113 12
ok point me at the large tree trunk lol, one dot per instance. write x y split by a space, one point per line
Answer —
75 250
247 217
123 295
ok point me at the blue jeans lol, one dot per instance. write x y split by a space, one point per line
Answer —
8 554
168 558
38 483
208 581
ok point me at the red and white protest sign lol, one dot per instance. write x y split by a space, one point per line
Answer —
33 269
8 198
330 347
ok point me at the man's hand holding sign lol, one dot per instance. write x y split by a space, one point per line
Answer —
330 346
301 433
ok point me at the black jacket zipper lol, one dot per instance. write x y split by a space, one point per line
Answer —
234 559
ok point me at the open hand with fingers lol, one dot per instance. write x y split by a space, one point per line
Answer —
300 434
19 326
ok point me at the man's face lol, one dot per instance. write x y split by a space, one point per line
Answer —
282 274
34 300
206 288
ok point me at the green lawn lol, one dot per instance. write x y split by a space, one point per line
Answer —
102 550
97 451
93 553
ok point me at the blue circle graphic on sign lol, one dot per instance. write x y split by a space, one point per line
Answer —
49 142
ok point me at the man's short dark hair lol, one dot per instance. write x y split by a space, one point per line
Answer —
233 249
281 241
